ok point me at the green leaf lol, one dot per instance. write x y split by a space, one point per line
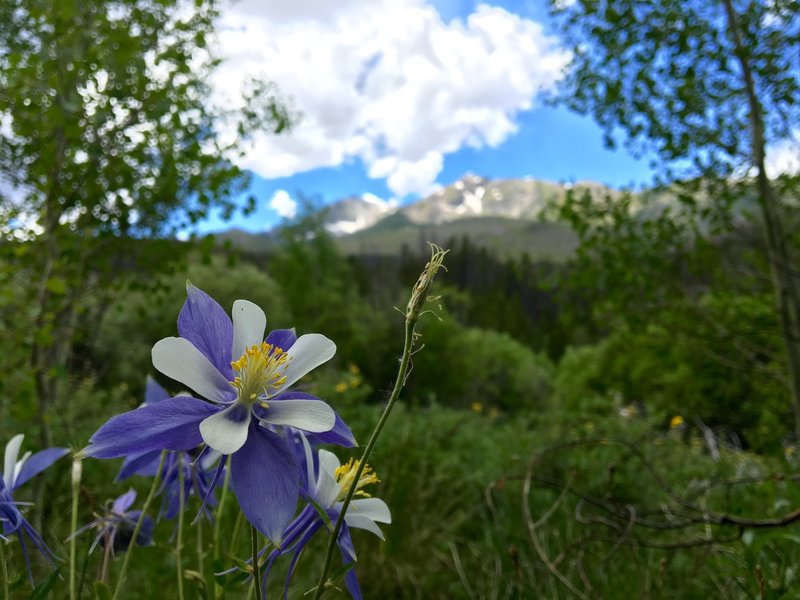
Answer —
342 571
101 591
56 285
323 514
43 589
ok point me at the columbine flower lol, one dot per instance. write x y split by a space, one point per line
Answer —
115 526
197 478
327 482
15 473
246 378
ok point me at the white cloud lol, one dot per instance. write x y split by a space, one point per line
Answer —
283 204
784 157
385 82
415 176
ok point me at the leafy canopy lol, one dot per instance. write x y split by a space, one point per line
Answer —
107 125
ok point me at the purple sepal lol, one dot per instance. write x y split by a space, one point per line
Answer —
173 424
282 338
295 538
153 392
144 465
265 479
145 537
27 529
340 434
14 523
124 502
205 324
10 517
345 544
38 463
208 496
296 556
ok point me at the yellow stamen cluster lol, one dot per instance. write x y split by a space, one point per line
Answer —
347 472
259 371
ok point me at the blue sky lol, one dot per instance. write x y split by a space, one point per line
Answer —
459 90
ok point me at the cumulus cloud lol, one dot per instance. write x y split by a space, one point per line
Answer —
283 204
385 82
784 157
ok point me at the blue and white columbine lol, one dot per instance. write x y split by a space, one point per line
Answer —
246 378
17 471
115 526
326 482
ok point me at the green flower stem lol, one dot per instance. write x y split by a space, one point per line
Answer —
237 526
179 538
200 551
76 487
84 565
256 576
401 377
4 572
218 523
414 309
138 527
419 296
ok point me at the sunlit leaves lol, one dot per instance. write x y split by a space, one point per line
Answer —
665 74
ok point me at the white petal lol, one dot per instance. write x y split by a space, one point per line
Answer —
223 433
361 522
309 415
209 460
306 354
249 322
10 462
328 462
178 359
20 463
327 490
372 508
309 460
327 486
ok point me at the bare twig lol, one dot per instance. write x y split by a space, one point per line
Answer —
526 491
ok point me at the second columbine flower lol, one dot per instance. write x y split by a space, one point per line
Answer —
246 378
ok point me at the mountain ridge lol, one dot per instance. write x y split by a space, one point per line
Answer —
501 215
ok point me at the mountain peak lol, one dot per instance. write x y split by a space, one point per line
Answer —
476 196
355 213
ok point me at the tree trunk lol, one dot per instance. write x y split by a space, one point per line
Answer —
787 295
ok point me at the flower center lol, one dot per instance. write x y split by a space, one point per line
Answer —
259 370
345 475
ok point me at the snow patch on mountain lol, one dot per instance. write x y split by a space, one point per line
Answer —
476 196
355 213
